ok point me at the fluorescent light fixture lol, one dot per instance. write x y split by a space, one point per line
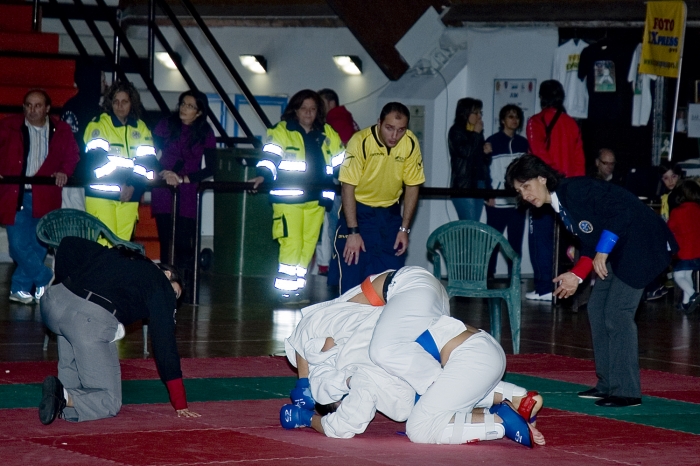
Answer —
350 64
165 59
255 63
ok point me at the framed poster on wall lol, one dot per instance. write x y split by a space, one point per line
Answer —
521 92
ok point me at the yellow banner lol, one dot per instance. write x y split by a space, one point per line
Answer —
663 38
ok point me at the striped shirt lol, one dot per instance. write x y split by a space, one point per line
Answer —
38 148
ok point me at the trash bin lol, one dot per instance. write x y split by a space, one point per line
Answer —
243 243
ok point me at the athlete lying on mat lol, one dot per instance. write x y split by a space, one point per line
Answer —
469 367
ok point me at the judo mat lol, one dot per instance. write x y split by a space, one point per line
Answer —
239 400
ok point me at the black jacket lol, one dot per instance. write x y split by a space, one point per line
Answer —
642 250
469 163
136 286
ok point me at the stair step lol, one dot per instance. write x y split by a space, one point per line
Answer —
12 95
36 72
28 42
16 18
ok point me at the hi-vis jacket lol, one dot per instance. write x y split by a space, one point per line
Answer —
295 159
117 155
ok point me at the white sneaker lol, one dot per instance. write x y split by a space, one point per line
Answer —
39 293
533 296
21 297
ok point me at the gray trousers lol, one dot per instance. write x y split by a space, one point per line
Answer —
88 362
611 310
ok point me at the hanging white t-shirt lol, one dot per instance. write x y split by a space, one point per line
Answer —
565 70
641 86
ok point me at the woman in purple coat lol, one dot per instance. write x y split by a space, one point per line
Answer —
182 138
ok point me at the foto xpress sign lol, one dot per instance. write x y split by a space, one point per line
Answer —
664 31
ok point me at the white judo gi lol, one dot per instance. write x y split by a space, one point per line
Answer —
351 325
414 300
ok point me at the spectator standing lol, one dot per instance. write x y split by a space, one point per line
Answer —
670 175
469 157
684 222
342 122
183 138
556 139
301 150
372 234
32 144
119 150
507 145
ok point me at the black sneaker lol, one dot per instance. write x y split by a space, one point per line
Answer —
52 400
691 305
592 393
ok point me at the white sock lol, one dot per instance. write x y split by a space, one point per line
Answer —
684 279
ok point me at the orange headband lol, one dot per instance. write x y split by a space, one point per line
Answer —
371 295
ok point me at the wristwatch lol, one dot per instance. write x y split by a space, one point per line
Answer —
353 230
407 230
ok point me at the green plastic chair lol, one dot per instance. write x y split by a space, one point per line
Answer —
58 224
467 247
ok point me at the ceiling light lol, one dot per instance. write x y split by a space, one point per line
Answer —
165 59
350 64
255 63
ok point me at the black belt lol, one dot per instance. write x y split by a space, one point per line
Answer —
88 295
387 282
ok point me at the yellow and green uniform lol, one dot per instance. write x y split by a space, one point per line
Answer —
118 155
295 160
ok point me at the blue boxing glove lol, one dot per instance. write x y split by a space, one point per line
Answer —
293 416
301 394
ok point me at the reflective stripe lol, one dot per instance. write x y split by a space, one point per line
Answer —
112 188
273 149
329 195
338 159
286 192
114 162
142 151
270 166
286 285
98 143
301 283
329 170
141 170
292 166
287 269
301 271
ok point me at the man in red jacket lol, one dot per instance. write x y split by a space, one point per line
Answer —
32 144
556 139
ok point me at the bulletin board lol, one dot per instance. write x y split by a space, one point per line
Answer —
521 92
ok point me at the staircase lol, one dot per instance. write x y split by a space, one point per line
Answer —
30 59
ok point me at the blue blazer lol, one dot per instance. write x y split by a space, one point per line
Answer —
645 245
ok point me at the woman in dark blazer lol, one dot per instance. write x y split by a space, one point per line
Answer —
627 245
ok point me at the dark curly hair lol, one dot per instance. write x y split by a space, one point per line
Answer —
504 113
529 167
134 97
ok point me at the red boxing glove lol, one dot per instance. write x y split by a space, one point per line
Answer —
176 390
583 267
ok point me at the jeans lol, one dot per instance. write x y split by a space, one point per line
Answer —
26 250
468 208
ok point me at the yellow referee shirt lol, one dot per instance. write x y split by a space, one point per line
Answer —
378 172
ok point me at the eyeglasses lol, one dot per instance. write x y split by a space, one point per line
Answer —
607 164
188 106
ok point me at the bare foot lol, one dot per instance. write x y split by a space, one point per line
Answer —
537 436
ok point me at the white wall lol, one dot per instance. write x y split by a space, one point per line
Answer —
298 58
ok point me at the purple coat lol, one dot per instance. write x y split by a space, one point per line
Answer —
174 151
